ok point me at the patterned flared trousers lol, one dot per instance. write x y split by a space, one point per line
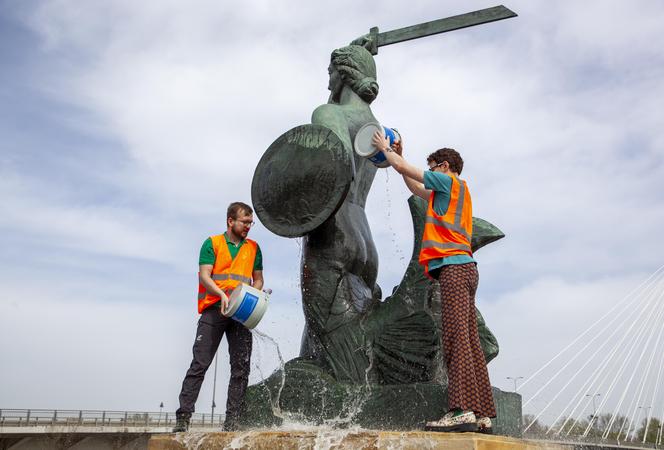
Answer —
469 387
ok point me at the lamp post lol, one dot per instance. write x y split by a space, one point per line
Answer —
636 424
515 380
161 408
645 430
594 408
214 405
214 385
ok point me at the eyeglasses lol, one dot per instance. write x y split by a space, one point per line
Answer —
437 165
246 223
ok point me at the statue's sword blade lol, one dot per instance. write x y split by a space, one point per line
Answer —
443 25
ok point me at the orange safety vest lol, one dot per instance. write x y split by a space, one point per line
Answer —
451 233
227 272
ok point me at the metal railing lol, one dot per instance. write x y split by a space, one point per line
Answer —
96 418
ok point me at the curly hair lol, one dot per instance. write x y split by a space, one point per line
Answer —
450 155
357 69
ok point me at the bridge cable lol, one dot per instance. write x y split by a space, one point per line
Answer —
647 280
638 338
635 401
589 385
576 355
590 379
601 369
660 342
646 373
629 417
615 317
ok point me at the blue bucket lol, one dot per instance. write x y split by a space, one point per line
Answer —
363 147
247 305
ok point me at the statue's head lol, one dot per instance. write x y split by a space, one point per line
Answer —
355 66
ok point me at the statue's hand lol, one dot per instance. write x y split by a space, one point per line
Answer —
365 41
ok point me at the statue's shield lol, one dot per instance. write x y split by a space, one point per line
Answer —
301 180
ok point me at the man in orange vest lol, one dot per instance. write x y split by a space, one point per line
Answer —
447 257
225 261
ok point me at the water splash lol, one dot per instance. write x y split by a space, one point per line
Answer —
240 440
395 241
292 421
276 409
331 438
296 282
191 440
388 196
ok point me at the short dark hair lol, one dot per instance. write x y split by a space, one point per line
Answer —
450 155
235 208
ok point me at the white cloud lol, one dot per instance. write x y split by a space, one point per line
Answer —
111 230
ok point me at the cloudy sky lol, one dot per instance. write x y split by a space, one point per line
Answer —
128 127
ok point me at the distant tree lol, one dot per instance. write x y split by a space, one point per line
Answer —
653 430
570 426
602 423
537 429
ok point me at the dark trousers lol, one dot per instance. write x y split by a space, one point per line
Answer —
469 387
211 328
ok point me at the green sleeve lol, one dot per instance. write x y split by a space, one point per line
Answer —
207 253
258 262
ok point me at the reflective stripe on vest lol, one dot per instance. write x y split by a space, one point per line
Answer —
450 226
231 276
444 245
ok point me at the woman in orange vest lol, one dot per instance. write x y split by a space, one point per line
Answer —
226 260
447 257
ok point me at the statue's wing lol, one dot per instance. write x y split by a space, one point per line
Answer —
301 180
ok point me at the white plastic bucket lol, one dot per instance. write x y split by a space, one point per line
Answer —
363 147
247 305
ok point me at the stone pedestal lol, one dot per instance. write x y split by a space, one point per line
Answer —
308 394
345 439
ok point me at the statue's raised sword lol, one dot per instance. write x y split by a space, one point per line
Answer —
374 39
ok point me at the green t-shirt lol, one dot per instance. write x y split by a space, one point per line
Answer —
207 252
441 184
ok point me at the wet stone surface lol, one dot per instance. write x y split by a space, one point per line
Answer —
308 395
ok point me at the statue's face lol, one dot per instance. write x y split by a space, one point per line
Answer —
336 83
